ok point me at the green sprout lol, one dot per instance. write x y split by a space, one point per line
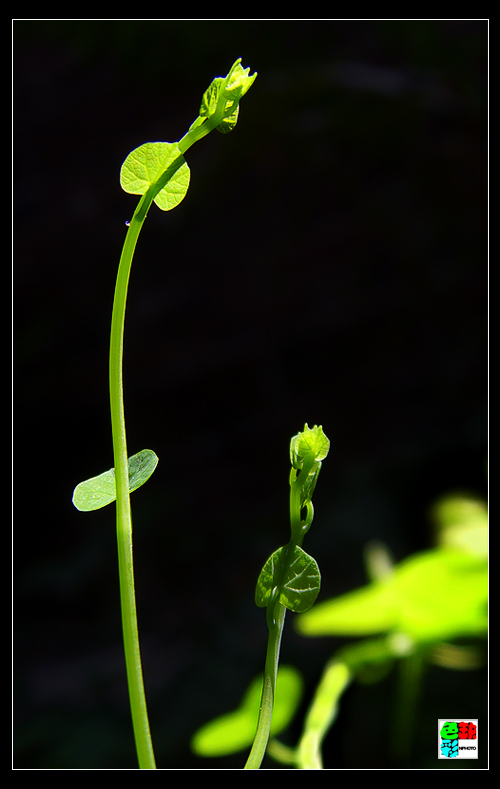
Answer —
159 173
290 578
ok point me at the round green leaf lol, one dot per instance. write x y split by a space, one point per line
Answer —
295 573
99 491
151 162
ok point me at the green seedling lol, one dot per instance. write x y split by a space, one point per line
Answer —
290 579
159 173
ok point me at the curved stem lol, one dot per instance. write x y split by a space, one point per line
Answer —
123 512
133 661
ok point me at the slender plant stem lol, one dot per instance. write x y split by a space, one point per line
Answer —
269 688
133 661
225 109
275 615
123 511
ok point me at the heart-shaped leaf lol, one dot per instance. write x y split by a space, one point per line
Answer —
152 162
99 491
295 573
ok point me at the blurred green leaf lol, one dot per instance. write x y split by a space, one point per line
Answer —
462 522
430 596
235 731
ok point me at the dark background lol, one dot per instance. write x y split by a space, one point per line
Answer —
328 265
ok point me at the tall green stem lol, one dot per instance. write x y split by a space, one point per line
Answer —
123 511
133 661
143 169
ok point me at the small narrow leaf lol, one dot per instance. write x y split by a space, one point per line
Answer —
147 164
99 491
295 573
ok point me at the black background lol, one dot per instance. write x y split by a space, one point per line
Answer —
328 265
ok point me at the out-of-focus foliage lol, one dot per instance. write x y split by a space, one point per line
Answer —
430 596
235 731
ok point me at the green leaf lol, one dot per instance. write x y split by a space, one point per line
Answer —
235 731
432 596
99 491
311 443
209 106
225 93
156 162
295 573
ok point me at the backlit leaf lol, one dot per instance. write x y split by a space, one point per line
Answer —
310 442
152 161
99 491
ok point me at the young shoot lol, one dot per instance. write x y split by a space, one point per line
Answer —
159 173
290 578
